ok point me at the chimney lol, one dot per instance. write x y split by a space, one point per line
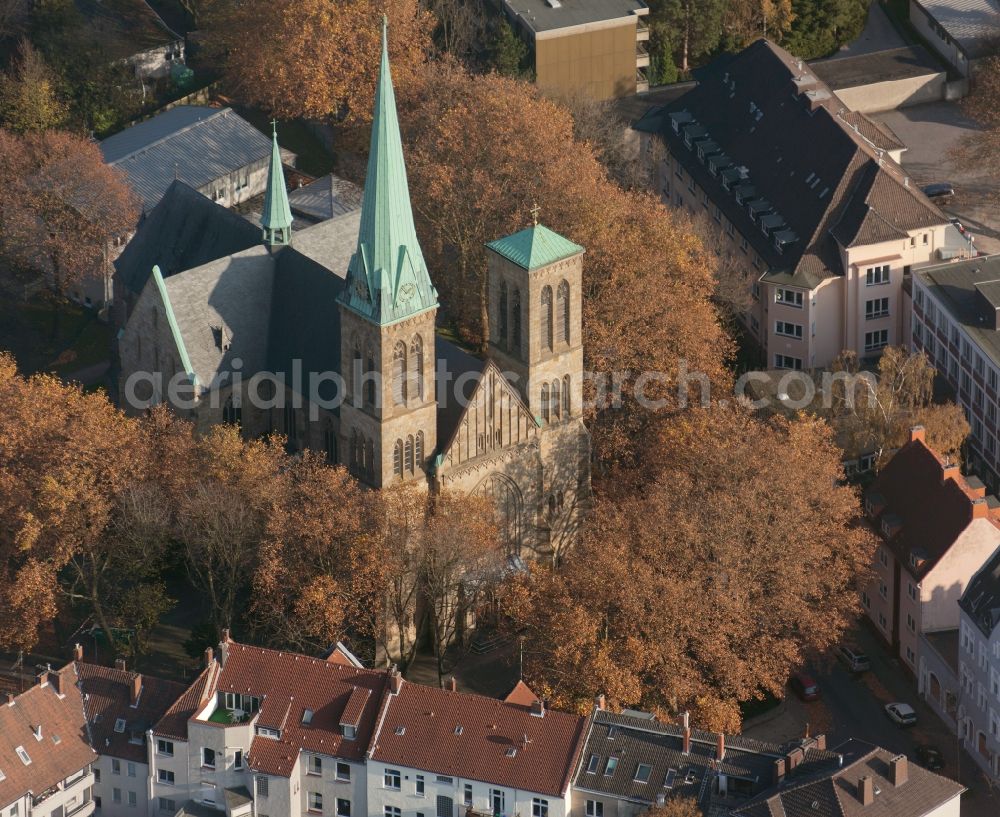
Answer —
720 746
600 702
225 635
794 758
10 699
223 649
209 656
899 771
980 510
55 680
395 680
136 689
42 678
866 790
120 664
949 472
778 771
77 652
917 433
820 742
37 731
452 684
686 741
538 708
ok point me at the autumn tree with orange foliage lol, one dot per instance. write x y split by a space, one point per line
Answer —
319 570
315 58
676 806
708 586
482 151
62 206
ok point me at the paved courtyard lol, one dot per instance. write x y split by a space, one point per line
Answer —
931 131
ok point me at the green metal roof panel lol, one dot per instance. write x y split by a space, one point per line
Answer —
387 279
174 330
537 246
276 214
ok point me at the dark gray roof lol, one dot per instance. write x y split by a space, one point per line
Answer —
237 796
834 792
973 24
184 230
451 363
954 287
638 740
326 197
981 599
195 809
881 66
544 15
195 144
780 126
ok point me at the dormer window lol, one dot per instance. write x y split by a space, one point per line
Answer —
120 726
891 525
350 731
874 503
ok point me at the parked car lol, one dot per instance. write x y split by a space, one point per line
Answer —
805 686
853 659
930 757
941 191
901 714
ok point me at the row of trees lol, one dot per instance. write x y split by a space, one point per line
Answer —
100 506
685 33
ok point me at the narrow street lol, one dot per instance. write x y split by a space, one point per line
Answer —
852 707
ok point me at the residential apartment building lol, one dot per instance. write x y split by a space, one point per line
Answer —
632 762
121 707
954 322
442 753
935 529
597 48
46 763
805 195
979 667
869 780
268 733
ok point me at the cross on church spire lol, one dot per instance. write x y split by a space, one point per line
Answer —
535 210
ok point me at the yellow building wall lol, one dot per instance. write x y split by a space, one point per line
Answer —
600 62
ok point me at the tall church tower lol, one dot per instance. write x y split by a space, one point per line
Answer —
276 215
535 303
387 311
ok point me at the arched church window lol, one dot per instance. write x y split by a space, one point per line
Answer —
509 505
370 459
355 450
397 458
399 374
355 373
408 455
556 404
232 413
290 430
547 317
503 311
545 402
417 352
370 380
562 311
565 395
516 322
330 442
419 449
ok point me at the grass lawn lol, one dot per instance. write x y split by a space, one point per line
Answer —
26 330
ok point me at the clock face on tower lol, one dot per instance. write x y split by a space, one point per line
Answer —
406 291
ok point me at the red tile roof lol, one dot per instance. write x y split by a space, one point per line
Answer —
934 511
521 695
173 724
63 748
288 684
109 698
419 730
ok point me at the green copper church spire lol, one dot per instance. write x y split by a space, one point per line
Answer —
276 217
387 279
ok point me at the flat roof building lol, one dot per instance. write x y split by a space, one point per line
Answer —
962 31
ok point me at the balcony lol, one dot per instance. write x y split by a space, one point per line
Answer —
641 30
641 56
641 81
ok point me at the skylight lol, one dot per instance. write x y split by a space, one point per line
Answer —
307 716
120 725
668 782
511 751
642 773
459 730
612 764
592 764
400 730
25 757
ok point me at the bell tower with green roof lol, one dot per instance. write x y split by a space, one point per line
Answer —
535 304
387 311
276 215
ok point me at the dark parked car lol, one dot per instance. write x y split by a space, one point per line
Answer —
804 686
941 191
853 659
930 757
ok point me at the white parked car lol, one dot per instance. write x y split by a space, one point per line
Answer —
901 714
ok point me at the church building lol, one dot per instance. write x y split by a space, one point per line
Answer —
327 336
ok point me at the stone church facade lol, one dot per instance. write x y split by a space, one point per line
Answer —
328 337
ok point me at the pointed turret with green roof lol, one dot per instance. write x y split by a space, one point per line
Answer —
387 279
276 217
